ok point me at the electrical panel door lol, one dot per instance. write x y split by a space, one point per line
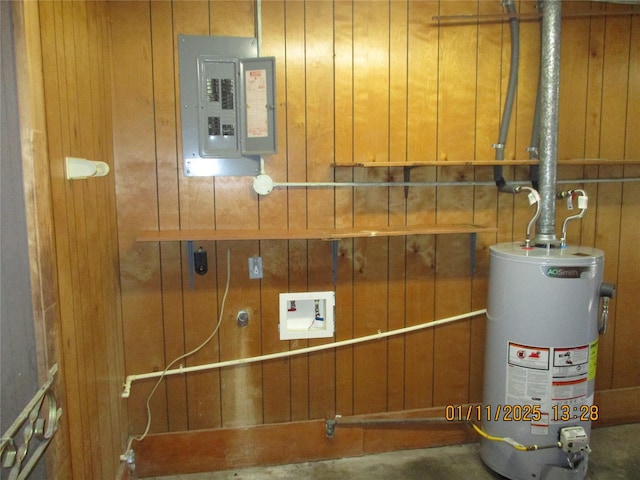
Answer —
227 105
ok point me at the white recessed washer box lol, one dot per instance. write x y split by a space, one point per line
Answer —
307 315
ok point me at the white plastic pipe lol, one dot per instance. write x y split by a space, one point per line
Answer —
289 353
266 185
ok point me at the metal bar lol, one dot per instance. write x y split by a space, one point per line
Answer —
501 18
334 262
24 415
191 265
29 420
332 423
390 421
439 184
25 471
258 26
407 179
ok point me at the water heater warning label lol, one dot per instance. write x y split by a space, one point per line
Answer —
570 362
570 385
549 378
529 357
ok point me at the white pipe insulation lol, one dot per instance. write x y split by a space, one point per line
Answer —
289 353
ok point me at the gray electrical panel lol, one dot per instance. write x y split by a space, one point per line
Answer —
228 110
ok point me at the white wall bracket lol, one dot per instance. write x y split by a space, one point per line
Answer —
81 168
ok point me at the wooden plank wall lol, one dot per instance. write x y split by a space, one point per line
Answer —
25 106
66 67
356 81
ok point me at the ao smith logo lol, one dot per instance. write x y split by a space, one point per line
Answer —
565 272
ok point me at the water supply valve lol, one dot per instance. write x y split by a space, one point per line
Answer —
534 198
583 203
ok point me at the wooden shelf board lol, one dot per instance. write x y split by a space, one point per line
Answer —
327 234
481 163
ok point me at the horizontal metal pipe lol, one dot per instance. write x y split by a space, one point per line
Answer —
505 17
344 421
601 180
440 184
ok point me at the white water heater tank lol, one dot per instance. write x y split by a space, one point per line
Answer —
540 358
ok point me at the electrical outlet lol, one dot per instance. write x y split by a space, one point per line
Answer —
255 267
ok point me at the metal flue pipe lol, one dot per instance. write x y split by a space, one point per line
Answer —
549 94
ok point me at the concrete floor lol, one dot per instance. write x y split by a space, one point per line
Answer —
615 455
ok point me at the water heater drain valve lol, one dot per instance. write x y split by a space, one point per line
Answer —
574 440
